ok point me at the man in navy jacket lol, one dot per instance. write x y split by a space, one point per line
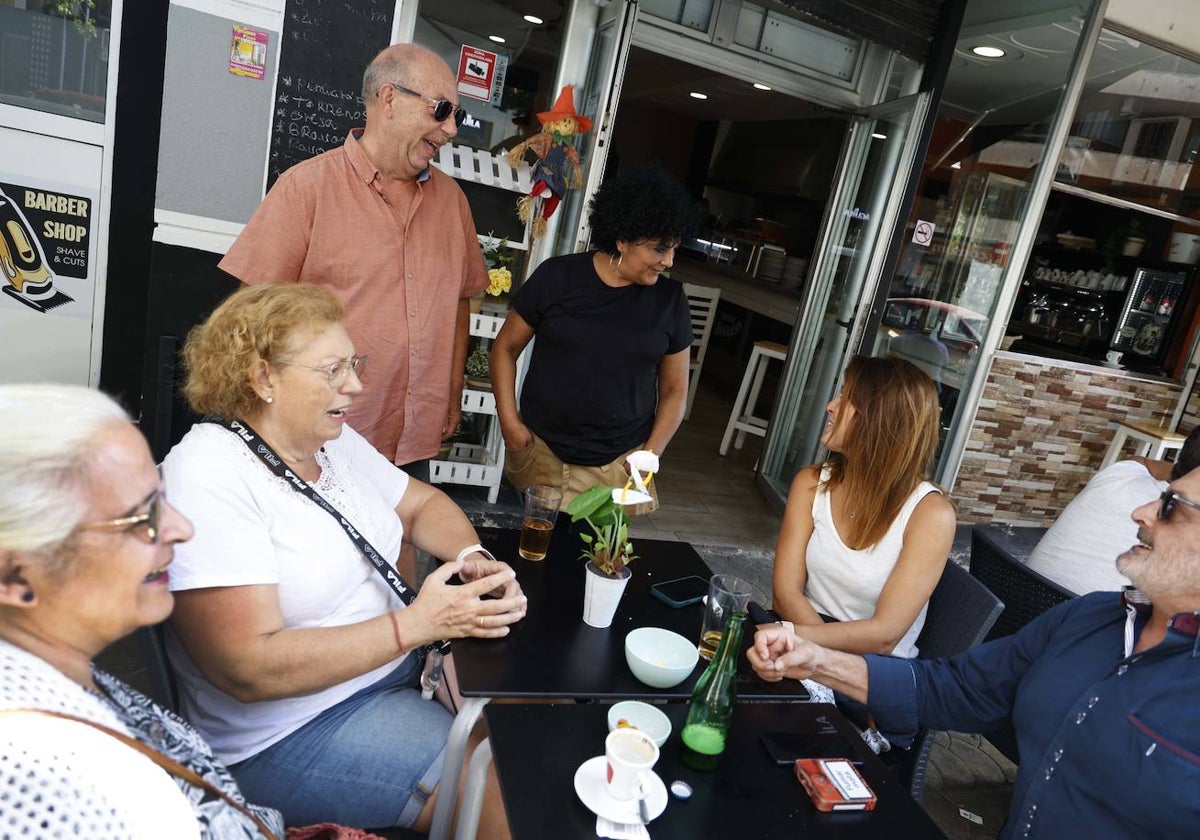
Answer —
1102 691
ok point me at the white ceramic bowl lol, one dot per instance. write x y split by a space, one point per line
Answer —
641 716
660 658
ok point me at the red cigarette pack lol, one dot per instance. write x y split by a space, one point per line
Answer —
834 784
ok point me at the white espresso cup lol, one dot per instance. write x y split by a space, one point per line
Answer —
629 754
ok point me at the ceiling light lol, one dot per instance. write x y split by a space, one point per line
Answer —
956 165
496 38
877 136
534 19
695 95
761 86
988 52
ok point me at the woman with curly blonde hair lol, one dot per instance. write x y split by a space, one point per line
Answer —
297 660
865 535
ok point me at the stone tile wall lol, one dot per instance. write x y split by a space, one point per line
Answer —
1041 432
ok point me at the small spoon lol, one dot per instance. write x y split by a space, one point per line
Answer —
643 810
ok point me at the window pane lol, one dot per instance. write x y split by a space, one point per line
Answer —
54 56
1003 89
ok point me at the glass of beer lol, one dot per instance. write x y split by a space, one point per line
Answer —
537 524
726 594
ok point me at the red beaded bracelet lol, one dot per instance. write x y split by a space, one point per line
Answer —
396 630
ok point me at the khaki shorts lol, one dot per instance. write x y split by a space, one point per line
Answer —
537 464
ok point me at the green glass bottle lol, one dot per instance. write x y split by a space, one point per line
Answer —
712 702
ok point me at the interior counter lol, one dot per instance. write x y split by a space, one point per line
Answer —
738 288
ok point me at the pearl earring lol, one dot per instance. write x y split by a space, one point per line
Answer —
270 400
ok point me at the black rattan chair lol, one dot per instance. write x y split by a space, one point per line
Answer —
961 611
1026 594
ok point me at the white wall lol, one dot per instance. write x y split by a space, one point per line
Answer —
1174 22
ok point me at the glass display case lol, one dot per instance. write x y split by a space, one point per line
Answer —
941 301
1150 312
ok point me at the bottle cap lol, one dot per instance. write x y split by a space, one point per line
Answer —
681 789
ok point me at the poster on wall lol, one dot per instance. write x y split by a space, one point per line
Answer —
476 72
248 52
45 249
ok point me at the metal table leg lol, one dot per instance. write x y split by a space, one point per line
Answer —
472 798
456 751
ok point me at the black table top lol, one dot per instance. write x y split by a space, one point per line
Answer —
552 653
746 796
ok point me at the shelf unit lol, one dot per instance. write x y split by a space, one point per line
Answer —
480 465
476 465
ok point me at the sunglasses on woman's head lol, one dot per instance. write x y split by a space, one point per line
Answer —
442 108
1169 499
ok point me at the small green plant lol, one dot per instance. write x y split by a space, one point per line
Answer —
608 547
477 364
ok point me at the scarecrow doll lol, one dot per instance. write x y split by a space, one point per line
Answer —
557 168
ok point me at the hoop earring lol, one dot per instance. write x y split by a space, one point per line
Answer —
616 267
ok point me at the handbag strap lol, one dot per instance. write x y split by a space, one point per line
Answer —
263 451
165 762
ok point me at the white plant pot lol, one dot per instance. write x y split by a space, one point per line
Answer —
602 596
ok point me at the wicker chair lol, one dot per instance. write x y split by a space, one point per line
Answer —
961 611
1026 594
159 679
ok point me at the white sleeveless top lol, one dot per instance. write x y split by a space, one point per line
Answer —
845 583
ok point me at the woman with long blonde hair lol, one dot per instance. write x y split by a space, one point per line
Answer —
865 535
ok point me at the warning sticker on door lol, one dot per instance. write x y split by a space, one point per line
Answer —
476 72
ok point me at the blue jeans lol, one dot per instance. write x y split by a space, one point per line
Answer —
370 761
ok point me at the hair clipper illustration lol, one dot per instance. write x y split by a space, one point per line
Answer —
23 266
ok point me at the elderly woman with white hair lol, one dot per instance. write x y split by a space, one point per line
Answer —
86 537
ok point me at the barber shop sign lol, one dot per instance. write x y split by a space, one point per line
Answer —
45 248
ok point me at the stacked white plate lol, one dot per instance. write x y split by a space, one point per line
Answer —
771 262
794 269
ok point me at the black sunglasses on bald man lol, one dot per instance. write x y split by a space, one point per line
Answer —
442 108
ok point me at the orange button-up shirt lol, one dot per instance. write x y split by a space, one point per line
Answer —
326 222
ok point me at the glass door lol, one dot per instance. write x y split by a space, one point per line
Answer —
879 148
598 100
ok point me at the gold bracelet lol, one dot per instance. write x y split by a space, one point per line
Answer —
396 630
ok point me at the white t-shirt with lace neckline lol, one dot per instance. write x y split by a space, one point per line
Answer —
252 528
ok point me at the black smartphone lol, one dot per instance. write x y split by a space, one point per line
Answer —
785 747
681 591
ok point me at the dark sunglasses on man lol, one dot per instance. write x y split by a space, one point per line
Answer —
442 108
1169 499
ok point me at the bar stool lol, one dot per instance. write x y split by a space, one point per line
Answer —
1153 441
742 419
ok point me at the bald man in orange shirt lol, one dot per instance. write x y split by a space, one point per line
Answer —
393 238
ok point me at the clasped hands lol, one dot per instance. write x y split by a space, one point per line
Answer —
778 652
453 612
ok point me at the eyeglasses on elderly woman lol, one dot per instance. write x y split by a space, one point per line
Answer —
337 372
129 523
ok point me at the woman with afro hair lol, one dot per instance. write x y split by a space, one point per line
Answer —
608 372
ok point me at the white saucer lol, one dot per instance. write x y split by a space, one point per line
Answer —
589 786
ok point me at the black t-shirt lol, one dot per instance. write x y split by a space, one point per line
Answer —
592 386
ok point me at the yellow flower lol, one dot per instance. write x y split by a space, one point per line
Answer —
500 281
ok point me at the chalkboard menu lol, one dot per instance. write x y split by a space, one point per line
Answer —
324 49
